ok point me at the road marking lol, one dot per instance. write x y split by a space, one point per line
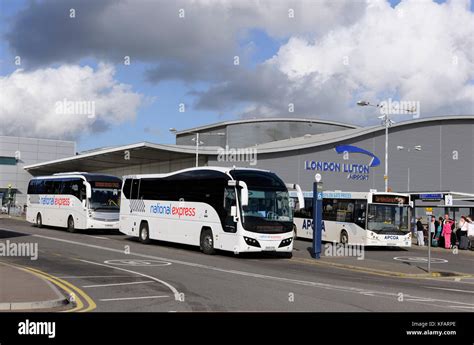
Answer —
137 262
242 273
65 286
447 289
177 295
77 291
99 237
130 298
117 284
79 277
419 259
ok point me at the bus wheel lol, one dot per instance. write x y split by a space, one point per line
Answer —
39 221
144 233
344 237
70 224
207 242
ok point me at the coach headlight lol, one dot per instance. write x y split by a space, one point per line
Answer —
285 242
252 242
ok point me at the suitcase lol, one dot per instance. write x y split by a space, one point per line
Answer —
463 242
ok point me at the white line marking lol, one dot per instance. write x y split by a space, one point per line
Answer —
117 284
439 288
79 277
420 299
130 298
242 273
176 294
461 306
99 237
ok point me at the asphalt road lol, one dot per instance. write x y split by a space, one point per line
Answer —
120 274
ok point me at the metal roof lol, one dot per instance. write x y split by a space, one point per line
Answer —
270 119
331 137
144 152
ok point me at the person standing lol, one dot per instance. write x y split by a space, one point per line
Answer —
439 229
420 237
432 228
462 232
470 232
447 231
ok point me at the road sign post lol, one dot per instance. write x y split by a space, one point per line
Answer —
429 244
317 216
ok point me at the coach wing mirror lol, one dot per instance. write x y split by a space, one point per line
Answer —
244 191
88 190
84 203
411 204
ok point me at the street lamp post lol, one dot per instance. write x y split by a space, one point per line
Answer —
387 122
196 139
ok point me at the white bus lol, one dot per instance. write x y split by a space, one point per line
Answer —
75 201
231 209
363 218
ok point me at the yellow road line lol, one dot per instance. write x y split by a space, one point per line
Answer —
68 287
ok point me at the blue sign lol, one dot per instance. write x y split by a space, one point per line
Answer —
434 196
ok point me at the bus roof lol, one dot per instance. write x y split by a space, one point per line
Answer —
85 175
224 170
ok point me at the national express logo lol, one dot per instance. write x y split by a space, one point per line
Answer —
179 211
354 171
52 201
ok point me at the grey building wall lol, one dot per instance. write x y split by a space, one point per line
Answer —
446 161
31 151
245 134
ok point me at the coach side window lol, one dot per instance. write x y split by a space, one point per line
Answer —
127 186
75 187
135 189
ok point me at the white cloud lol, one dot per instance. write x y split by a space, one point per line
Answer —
418 51
28 101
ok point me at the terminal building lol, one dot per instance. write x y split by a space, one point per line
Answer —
18 152
431 158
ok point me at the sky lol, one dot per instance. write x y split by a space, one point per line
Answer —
112 72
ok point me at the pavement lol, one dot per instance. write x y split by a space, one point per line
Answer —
401 262
22 289
107 271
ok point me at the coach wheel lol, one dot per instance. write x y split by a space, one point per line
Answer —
70 224
39 221
207 242
144 234
344 237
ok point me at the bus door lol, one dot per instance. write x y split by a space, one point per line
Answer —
228 238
